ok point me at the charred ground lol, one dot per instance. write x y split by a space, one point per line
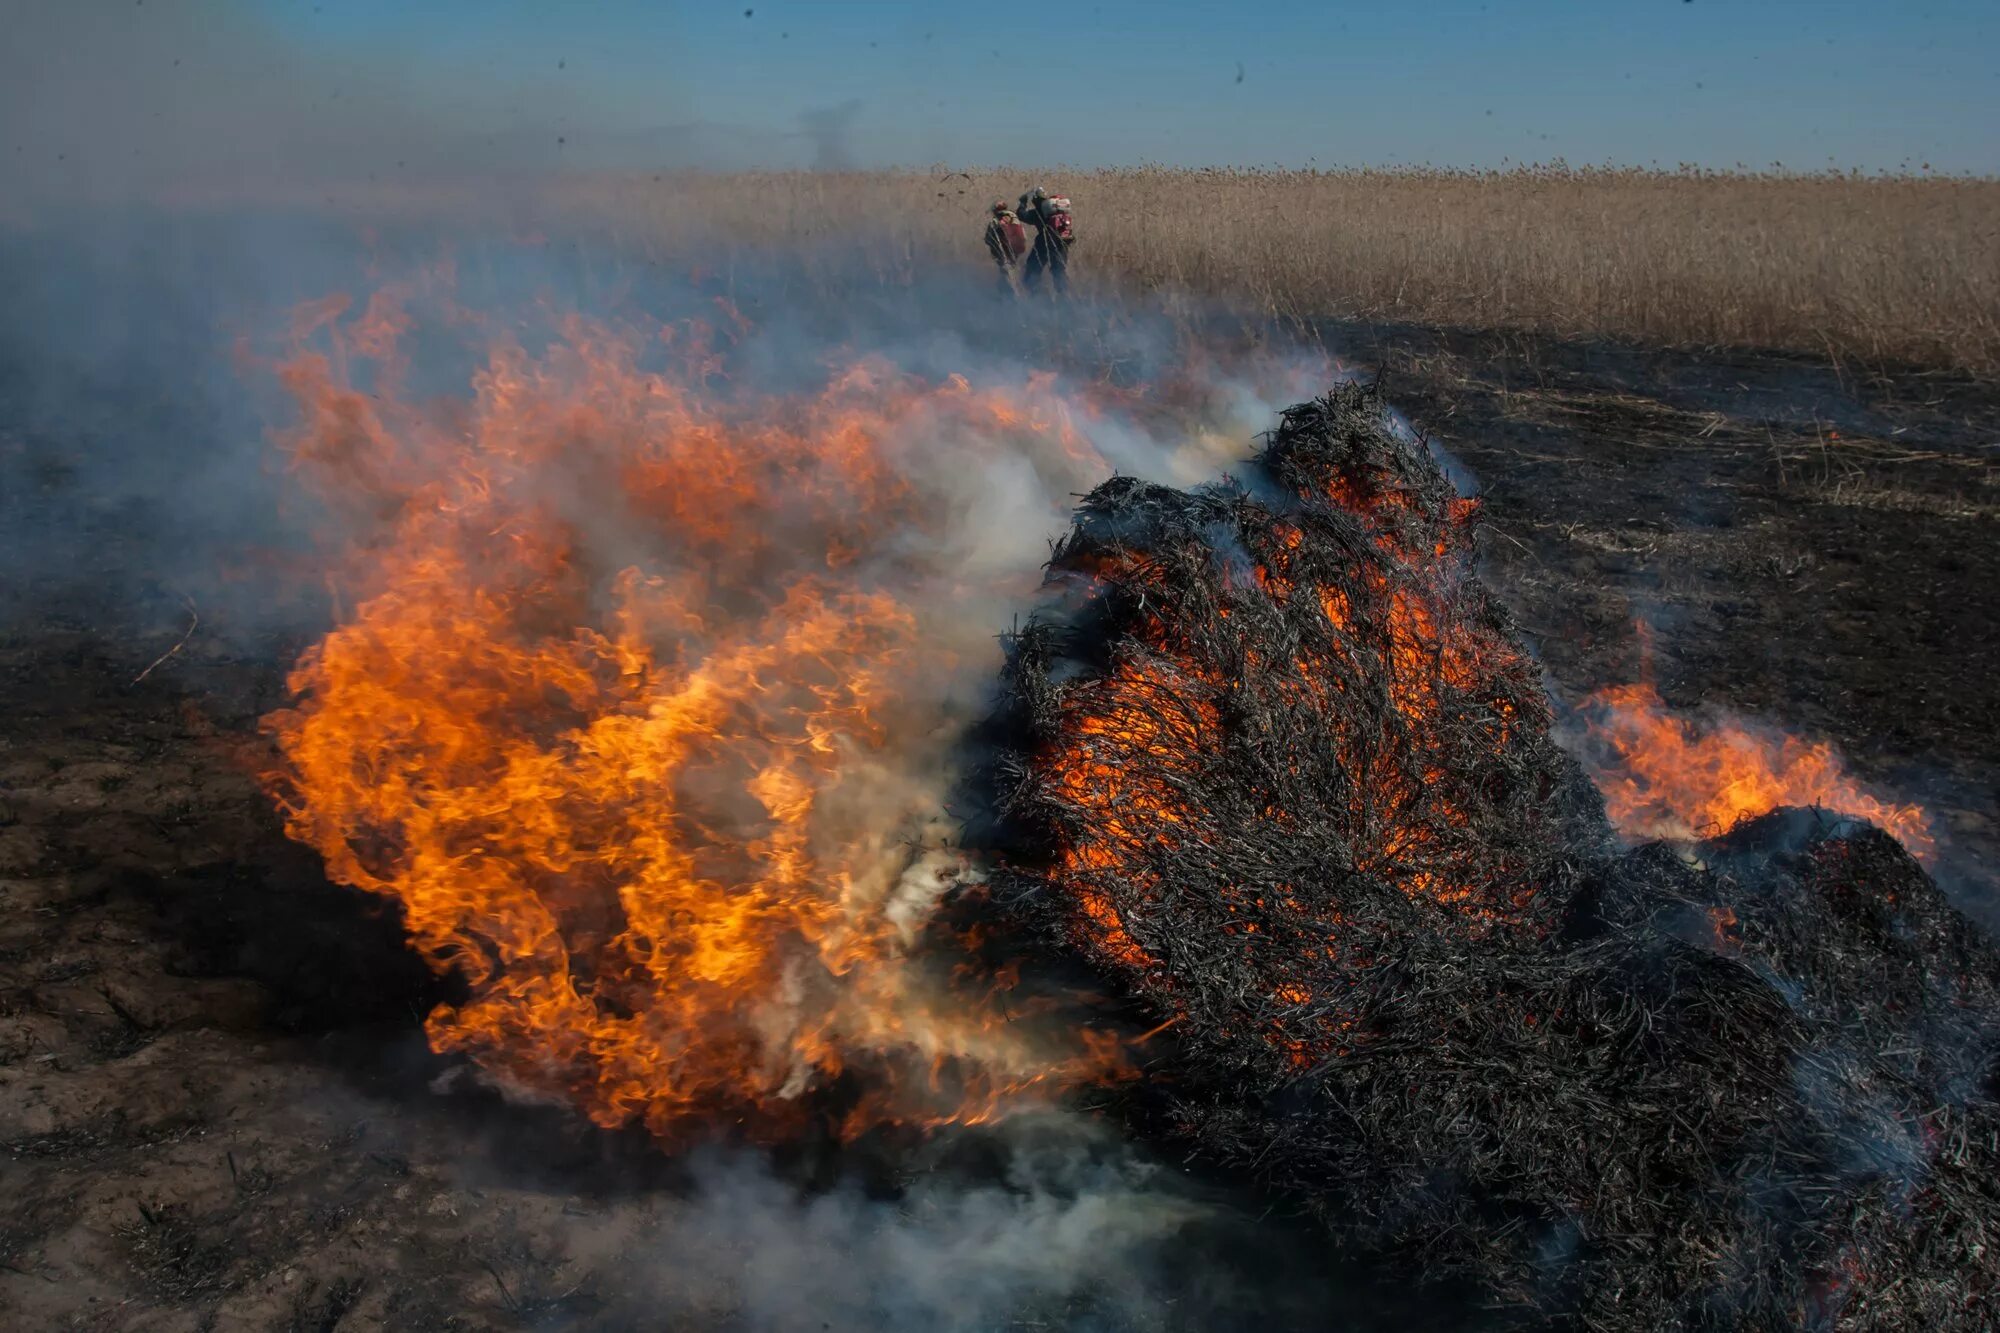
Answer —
1813 544
218 1108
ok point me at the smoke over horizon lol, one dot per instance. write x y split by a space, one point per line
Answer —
130 104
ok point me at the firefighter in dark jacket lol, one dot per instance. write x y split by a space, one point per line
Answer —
1048 214
1006 241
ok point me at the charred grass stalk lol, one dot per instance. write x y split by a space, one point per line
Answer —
1274 766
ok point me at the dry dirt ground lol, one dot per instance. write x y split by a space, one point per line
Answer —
215 1106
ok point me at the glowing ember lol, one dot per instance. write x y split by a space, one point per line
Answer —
1667 776
1264 704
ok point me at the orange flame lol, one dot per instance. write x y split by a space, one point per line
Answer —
1667 776
637 710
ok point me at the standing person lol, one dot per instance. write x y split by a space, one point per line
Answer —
1049 215
1006 241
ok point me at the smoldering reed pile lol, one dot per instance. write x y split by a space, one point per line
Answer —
1277 768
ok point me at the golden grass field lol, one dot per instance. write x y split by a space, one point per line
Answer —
1887 271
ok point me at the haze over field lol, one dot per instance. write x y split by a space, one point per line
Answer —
95 97
608 727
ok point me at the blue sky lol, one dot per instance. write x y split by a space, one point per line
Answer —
1463 82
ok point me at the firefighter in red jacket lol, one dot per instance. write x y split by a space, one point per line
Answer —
1006 241
1048 214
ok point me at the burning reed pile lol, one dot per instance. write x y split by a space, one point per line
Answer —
1276 767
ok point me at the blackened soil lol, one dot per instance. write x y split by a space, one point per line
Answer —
216 1107
1812 546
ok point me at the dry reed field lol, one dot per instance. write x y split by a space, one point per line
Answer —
1895 270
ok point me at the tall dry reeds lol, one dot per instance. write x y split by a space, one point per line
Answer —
1902 269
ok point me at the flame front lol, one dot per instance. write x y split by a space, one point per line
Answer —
1667 776
641 713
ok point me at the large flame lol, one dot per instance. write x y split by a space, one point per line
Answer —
1665 775
646 692
644 706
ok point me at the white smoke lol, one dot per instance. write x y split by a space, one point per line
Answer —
1066 1217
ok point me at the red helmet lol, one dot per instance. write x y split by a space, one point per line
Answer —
1000 208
